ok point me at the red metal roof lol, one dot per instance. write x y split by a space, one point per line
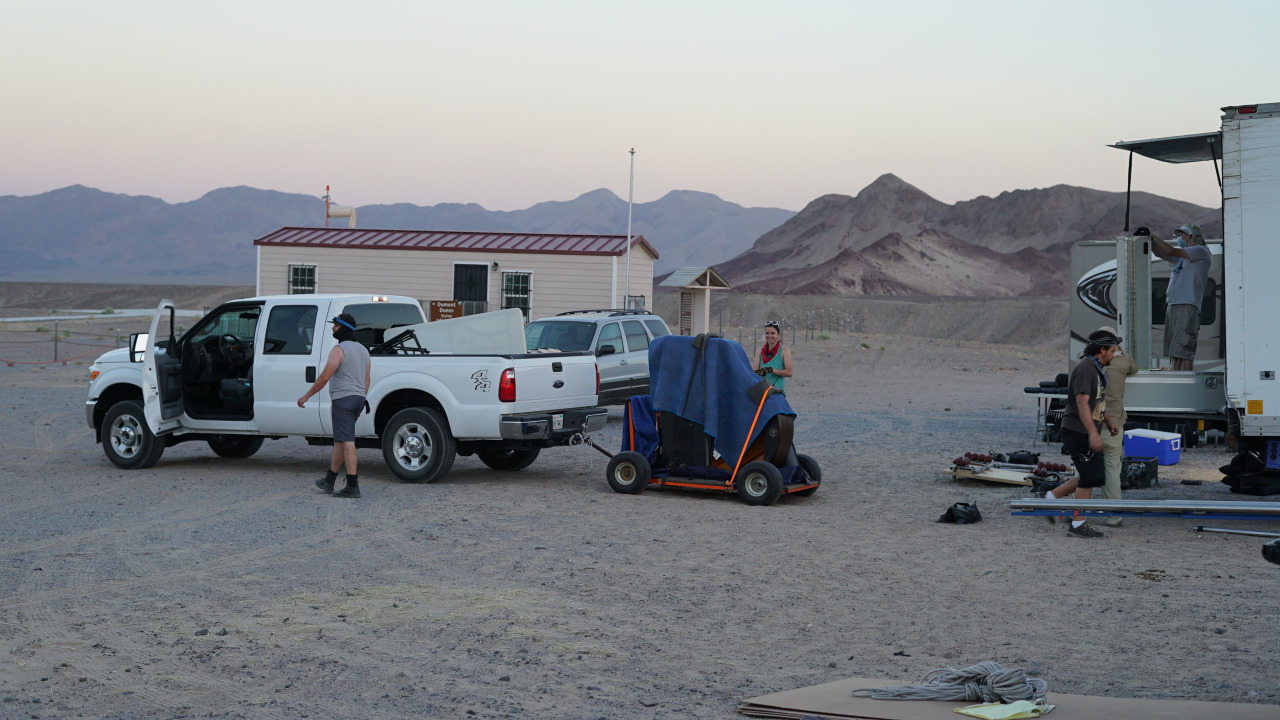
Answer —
459 241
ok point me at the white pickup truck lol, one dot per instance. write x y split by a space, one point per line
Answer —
234 379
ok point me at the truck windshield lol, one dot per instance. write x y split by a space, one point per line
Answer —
561 335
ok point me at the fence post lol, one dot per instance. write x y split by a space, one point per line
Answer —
55 341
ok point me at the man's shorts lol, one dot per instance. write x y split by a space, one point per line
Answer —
1181 331
344 412
1090 465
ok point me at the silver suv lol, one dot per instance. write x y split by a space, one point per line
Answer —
619 339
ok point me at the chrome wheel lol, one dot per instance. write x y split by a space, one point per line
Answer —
126 436
412 447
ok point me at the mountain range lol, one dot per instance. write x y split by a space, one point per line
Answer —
889 239
80 234
894 239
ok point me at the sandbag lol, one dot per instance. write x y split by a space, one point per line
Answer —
961 514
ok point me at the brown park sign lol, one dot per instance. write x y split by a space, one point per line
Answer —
445 310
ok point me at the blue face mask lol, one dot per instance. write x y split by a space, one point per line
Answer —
1182 241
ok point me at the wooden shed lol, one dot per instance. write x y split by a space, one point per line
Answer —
541 274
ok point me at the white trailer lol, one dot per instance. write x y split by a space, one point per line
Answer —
1234 383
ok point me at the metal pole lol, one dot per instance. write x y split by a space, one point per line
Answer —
630 198
1233 531
1128 193
55 341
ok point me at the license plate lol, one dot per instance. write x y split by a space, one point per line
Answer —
557 421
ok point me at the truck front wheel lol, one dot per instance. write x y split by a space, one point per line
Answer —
126 439
417 446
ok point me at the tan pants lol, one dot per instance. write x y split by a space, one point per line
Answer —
1113 458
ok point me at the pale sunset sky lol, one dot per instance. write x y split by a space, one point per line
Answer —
507 103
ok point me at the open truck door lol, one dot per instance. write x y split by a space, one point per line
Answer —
162 372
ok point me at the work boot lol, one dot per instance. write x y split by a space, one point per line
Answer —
352 490
1084 531
326 483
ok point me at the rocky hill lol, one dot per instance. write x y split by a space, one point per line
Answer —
894 239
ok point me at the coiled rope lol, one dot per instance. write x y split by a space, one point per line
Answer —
984 682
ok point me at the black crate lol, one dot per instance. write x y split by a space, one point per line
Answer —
1137 473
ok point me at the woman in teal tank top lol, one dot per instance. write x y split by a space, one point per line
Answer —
773 361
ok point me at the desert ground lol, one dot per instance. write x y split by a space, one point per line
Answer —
206 587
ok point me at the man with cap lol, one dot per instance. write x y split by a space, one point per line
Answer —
1191 261
1118 371
348 367
1082 426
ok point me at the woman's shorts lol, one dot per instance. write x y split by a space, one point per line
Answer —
1090 465
344 412
1181 331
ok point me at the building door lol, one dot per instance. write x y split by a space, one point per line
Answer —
471 287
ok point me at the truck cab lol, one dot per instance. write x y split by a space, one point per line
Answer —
242 367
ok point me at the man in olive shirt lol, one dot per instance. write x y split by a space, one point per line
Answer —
1082 423
1118 371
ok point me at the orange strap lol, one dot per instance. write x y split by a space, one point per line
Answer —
631 428
764 396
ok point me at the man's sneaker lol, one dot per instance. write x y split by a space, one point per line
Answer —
1084 531
326 484
1113 522
350 491
1053 519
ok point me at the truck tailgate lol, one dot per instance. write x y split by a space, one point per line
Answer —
555 383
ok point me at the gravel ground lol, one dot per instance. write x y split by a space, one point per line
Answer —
206 587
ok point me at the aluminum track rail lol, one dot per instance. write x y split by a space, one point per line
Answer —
1152 508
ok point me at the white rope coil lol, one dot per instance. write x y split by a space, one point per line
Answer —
984 682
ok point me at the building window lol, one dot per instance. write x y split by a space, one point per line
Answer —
302 279
515 292
635 302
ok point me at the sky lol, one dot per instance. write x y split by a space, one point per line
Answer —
506 103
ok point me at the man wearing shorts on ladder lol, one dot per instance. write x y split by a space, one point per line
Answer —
1190 260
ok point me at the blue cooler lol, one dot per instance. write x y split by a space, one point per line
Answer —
1165 447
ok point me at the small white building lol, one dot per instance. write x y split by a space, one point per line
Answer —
541 274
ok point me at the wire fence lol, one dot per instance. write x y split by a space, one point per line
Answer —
798 328
55 343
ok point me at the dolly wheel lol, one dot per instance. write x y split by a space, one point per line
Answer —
759 483
810 467
628 473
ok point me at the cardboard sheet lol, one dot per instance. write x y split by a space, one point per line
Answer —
832 700
1000 475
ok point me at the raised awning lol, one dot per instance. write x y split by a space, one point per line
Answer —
1180 149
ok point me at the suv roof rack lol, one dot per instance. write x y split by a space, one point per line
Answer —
613 312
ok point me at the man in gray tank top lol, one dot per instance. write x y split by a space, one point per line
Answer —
347 375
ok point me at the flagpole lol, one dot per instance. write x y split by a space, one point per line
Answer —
631 189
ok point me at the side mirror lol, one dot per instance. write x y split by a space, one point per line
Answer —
606 350
138 346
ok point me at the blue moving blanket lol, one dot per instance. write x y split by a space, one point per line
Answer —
710 387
